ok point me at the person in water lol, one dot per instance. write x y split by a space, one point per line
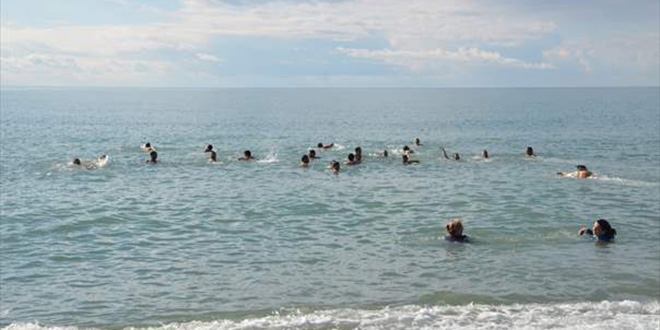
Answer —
457 157
581 173
76 161
417 142
247 156
455 232
304 161
351 160
312 154
358 154
325 146
407 160
334 166
384 153
153 157
407 150
601 231
529 152
147 147
484 154
214 156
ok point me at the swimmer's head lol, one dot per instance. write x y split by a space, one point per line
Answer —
209 148
335 166
154 156
529 151
384 153
76 161
581 168
351 157
484 153
147 145
455 228
320 145
312 153
305 159
358 150
247 154
417 142
603 227
457 156
406 148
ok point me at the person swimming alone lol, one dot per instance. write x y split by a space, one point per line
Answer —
601 231
581 173
325 146
457 157
455 232
304 161
529 152
247 156
76 161
214 156
407 160
484 154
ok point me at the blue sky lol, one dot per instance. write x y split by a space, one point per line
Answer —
330 43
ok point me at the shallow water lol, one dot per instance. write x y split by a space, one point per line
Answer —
226 245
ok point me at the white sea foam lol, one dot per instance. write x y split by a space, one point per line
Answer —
586 315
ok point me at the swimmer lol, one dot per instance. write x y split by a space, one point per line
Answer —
484 154
581 173
417 142
325 146
529 152
455 232
334 165
457 157
214 156
154 157
383 154
358 154
304 161
147 147
312 154
601 231
407 150
407 160
76 161
351 160
247 156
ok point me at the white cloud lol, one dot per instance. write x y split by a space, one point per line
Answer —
208 57
429 59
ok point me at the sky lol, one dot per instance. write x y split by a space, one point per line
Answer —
330 43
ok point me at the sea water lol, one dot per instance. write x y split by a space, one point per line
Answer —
189 244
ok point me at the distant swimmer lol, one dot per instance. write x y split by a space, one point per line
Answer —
304 161
325 146
407 150
334 166
407 160
383 154
153 157
581 173
456 157
601 231
455 232
351 160
209 149
484 154
76 161
529 152
147 147
358 154
247 156
98 162
312 154
417 142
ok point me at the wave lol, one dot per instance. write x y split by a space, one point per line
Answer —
584 315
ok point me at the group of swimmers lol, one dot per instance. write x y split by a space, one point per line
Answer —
601 232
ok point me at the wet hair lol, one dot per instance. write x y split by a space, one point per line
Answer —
304 159
417 142
320 145
358 150
147 145
209 147
335 165
606 227
76 161
485 153
247 154
529 151
351 157
406 148
153 155
457 156
581 168
455 228
385 153
312 153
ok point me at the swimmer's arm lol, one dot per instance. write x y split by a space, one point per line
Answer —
444 153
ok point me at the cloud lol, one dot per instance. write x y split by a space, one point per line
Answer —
208 57
417 60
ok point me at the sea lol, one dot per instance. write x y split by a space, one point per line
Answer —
187 244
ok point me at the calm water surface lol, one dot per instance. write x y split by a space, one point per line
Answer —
269 245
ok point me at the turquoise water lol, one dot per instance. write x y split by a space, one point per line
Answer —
188 244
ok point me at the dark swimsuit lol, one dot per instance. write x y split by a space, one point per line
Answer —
461 239
600 238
